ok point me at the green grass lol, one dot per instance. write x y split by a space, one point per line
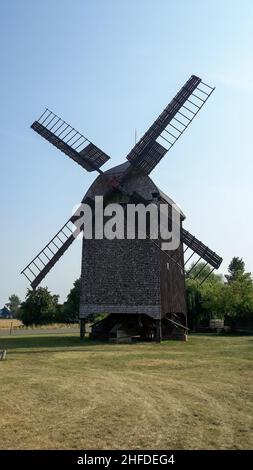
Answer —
60 393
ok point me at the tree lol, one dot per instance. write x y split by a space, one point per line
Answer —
202 271
70 311
39 307
239 298
216 298
194 303
204 301
13 304
213 299
236 270
239 290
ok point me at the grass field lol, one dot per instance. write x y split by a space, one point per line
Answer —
58 393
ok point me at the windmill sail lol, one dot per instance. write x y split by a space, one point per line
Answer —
196 248
200 249
38 268
69 141
170 125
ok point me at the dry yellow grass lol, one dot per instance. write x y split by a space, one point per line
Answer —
7 323
59 393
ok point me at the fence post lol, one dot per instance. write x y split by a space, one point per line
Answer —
2 354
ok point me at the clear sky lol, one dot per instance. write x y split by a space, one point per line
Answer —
108 67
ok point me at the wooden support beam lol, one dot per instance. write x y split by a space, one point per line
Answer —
158 331
82 328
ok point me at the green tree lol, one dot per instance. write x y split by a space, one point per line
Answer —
13 304
213 299
216 298
202 271
204 293
236 270
194 303
239 290
70 311
39 307
239 298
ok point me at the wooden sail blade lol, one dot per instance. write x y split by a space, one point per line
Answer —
71 142
43 262
201 249
170 125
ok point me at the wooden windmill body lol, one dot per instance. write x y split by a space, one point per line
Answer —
139 287
130 279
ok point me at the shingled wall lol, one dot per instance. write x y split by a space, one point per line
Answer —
125 277
128 276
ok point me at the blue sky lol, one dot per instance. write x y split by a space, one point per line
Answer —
108 67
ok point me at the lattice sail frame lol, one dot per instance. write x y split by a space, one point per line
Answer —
42 263
195 247
170 125
71 142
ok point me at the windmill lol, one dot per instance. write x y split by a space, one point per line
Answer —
139 286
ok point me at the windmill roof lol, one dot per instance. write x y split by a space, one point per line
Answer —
169 200
137 181
118 168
